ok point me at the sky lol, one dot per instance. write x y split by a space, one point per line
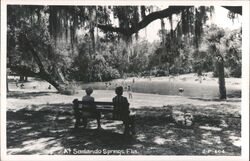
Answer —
219 18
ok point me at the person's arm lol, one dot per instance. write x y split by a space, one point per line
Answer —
125 100
115 104
93 100
127 104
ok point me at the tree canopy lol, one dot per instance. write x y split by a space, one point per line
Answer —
93 43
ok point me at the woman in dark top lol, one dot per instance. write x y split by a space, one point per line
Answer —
120 102
121 109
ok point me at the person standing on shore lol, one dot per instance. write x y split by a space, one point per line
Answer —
130 96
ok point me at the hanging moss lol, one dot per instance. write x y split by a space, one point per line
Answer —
143 11
53 23
64 21
171 26
185 28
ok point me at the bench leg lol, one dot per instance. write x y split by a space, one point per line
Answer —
85 122
132 125
98 120
77 122
80 121
127 129
129 125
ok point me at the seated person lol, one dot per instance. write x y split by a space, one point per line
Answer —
121 110
90 110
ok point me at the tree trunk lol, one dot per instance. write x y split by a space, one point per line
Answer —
7 83
49 78
222 85
199 72
92 36
43 74
26 79
21 79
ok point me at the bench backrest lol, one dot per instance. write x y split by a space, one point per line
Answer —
95 103
111 104
120 111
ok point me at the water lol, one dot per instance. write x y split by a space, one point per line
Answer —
201 90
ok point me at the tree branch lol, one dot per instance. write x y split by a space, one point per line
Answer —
145 21
234 9
157 15
23 70
110 28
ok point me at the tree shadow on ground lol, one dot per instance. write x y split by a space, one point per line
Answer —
48 129
27 95
233 96
214 99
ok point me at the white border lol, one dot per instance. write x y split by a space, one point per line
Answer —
245 82
245 79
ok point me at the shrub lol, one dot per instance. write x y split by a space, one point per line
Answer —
110 73
69 89
236 71
226 73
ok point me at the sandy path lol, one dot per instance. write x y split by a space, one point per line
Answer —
139 99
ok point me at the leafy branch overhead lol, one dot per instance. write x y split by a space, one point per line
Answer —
134 28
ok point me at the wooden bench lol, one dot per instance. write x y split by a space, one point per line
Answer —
105 108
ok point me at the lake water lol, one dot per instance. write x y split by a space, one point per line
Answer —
201 90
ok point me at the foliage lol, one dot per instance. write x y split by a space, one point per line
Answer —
228 45
233 57
88 66
139 59
19 52
67 40
178 52
110 73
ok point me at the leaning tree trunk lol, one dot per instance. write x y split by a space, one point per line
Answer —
221 75
43 73
50 79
